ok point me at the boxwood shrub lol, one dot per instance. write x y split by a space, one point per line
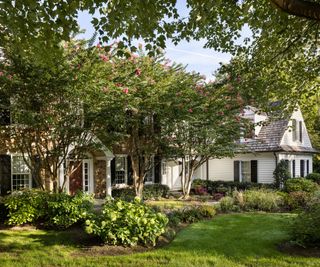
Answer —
127 223
305 230
300 184
315 177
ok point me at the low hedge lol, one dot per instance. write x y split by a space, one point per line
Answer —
226 186
150 191
315 177
300 184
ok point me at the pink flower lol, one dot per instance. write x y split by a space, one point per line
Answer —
125 90
138 72
221 113
9 77
190 110
98 45
1 73
104 58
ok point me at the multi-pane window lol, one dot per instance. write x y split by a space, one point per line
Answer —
20 175
120 170
86 174
245 171
150 173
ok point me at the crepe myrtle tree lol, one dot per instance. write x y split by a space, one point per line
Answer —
133 104
206 123
42 110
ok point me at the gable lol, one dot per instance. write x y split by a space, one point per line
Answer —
295 128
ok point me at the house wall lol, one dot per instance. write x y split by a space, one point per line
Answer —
287 137
222 169
297 158
173 179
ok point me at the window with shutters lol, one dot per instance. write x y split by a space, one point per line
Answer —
20 174
246 171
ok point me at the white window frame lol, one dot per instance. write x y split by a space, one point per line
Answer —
90 175
124 157
19 173
241 168
152 173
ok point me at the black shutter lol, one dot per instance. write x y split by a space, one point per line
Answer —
130 177
254 171
293 168
236 171
5 174
157 170
308 167
302 168
113 170
300 132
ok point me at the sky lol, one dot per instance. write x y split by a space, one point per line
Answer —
191 54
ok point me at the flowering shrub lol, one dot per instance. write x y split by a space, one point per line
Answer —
127 223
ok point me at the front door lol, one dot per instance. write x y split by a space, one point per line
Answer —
82 177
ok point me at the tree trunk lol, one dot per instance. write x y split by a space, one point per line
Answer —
186 178
138 176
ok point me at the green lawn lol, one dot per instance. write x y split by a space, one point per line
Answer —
227 240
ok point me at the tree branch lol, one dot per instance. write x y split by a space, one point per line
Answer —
300 8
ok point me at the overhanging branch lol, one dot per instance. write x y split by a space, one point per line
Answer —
300 8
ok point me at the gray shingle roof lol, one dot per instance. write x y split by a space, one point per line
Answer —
269 140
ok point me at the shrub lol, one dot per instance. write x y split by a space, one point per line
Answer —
227 186
63 210
305 229
300 184
3 211
262 200
315 177
127 223
25 206
200 190
281 173
52 210
226 204
297 200
193 214
150 191
217 196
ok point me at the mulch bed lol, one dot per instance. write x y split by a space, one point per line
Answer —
295 250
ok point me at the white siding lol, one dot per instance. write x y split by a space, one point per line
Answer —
172 175
222 169
297 158
287 137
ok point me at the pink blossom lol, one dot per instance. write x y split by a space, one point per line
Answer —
104 58
125 90
138 72
221 113
190 110
1 73
9 77
98 45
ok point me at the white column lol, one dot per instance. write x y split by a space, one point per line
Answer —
108 176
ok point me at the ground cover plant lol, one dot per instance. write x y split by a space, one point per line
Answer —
207 243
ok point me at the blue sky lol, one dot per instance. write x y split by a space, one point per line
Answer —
192 54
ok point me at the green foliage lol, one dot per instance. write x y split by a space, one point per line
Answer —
62 210
226 204
281 173
297 200
300 184
305 230
25 206
227 186
263 200
52 210
3 211
150 191
127 223
192 214
315 177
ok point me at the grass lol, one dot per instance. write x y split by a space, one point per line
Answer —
174 203
228 240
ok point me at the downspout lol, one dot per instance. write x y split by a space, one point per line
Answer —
207 173
276 159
